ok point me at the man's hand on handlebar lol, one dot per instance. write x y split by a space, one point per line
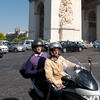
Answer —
78 66
59 85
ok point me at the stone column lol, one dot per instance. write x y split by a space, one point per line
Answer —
83 25
98 22
47 20
32 19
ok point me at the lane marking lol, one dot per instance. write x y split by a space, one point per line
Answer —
94 63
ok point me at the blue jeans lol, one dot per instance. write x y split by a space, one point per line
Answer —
58 92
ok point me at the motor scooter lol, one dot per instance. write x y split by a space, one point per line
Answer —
82 85
36 94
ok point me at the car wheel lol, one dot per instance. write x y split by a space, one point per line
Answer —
27 48
15 50
80 49
23 50
1 56
64 50
96 46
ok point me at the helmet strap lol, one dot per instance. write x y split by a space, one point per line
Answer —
52 55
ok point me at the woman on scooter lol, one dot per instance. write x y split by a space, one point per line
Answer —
54 68
35 66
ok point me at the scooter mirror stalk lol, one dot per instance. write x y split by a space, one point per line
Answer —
90 64
89 59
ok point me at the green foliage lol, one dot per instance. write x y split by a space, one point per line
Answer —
18 39
24 38
2 36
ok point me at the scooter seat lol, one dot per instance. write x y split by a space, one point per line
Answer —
39 92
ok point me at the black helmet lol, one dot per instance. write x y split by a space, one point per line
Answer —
37 43
54 45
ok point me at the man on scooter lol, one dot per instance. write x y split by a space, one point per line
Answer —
35 67
54 68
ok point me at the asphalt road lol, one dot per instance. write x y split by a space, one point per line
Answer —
14 87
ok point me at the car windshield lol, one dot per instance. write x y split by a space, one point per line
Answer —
97 41
1 44
45 42
21 43
61 42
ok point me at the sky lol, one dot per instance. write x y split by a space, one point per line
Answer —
13 14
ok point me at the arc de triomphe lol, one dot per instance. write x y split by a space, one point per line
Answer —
55 20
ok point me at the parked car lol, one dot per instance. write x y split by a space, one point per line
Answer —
17 48
98 47
96 43
9 45
62 42
4 41
1 53
70 46
4 47
26 43
46 45
84 45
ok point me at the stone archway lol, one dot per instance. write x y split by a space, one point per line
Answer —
40 9
92 25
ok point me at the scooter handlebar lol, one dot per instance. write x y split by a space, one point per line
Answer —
65 78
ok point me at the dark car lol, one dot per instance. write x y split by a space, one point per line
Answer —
84 45
70 46
46 45
96 43
1 53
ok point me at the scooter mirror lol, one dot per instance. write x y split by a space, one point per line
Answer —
90 64
89 59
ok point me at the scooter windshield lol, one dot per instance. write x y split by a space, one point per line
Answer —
82 76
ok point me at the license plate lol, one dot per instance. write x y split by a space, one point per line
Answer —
92 97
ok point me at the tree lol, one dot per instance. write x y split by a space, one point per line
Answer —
24 38
16 40
2 36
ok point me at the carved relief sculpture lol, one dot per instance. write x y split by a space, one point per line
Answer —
65 13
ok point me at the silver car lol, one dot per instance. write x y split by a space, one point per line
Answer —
16 48
1 53
4 48
27 44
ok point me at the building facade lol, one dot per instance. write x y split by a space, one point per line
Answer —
90 20
17 34
55 20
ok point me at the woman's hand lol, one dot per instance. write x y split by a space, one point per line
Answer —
41 70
